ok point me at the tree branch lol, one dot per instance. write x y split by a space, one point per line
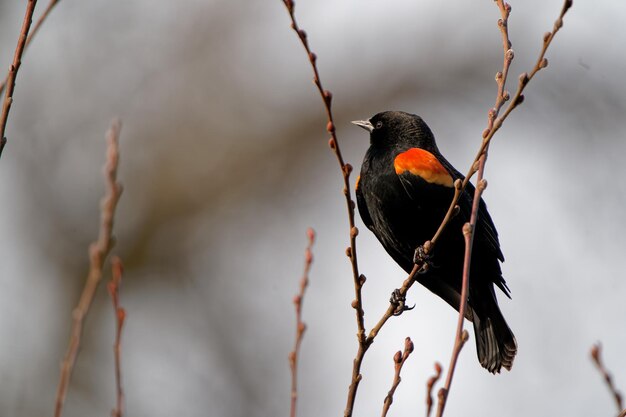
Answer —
300 326
13 69
120 317
98 252
596 352
398 359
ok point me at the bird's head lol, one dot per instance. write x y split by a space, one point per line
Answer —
400 130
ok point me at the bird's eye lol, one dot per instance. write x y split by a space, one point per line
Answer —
379 124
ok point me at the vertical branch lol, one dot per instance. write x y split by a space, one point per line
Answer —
300 326
596 352
346 170
398 359
13 69
98 251
32 33
494 123
120 317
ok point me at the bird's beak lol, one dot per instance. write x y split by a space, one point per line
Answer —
365 124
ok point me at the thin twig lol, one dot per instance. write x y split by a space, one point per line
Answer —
98 252
32 33
596 352
120 317
494 123
429 388
398 359
365 342
13 69
346 170
300 326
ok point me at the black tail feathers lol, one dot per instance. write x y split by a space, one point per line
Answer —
495 343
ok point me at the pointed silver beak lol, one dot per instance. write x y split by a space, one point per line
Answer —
365 124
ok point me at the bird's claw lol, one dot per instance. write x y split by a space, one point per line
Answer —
423 258
399 301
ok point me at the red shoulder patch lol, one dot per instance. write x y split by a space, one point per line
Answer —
356 184
423 164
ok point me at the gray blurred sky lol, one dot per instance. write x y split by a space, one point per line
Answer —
225 163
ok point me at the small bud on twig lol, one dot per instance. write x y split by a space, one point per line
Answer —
543 63
523 78
332 143
330 127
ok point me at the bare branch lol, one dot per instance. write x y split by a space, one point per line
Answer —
398 359
36 27
429 388
13 69
596 352
300 326
120 317
494 123
98 252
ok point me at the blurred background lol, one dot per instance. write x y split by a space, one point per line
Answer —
225 164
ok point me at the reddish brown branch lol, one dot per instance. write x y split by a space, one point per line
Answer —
346 170
494 123
398 359
300 326
32 33
596 352
429 388
13 69
98 252
120 317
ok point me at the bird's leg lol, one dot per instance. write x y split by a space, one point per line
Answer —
423 258
399 301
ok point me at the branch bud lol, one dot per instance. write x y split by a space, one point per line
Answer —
330 127
313 57
328 96
543 63
354 232
332 143
523 79
310 233
408 345
349 252
546 37
509 55
347 168
397 358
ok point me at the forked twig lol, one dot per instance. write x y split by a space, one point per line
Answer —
494 123
596 352
120 317
98 252
13 69
429 388
300 326
398 360
32 33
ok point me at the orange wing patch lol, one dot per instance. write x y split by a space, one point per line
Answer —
423 164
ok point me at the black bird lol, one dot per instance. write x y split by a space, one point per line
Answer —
403 193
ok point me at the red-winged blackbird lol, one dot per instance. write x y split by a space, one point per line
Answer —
403 194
